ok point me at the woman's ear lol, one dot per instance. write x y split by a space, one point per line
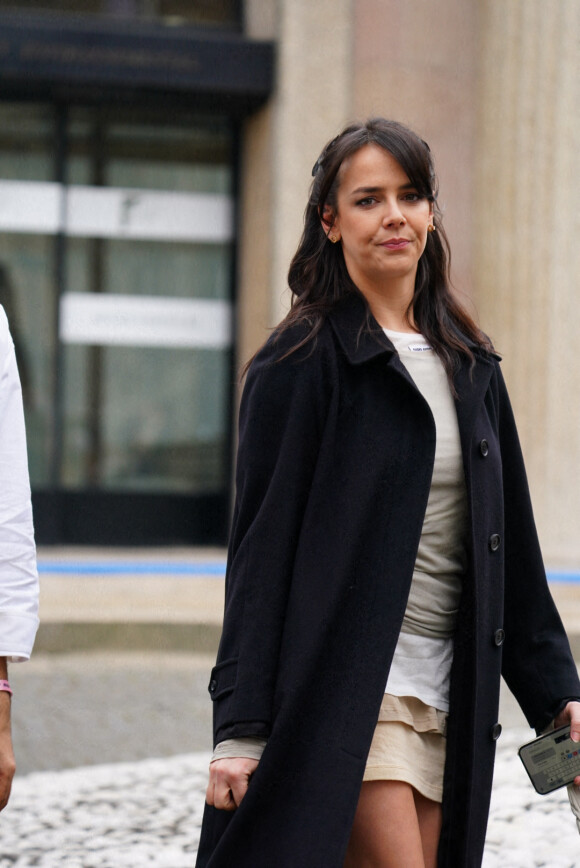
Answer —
431 226
329 224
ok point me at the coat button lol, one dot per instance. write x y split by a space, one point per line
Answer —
498 637
496 731
494 542
484 448
212 686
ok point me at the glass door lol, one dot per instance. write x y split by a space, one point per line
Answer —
28 267
129 430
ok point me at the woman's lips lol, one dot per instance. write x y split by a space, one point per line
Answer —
396 243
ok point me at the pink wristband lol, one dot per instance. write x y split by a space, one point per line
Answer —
5 686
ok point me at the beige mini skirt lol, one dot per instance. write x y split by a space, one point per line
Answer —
409 745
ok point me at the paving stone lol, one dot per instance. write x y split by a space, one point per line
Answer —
148 813
143 807
526 830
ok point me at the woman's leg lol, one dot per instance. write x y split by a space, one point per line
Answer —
386 832
429 817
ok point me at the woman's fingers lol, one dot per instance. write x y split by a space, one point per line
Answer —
570 714
575 721
228 782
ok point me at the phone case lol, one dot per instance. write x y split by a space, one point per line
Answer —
552 760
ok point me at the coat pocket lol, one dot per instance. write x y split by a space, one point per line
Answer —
223 678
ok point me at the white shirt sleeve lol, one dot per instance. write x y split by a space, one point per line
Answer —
239 748
18 572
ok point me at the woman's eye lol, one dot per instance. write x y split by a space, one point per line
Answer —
368 200
412 197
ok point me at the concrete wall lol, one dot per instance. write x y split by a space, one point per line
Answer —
527 252
339 60
311 103
492 85
416 62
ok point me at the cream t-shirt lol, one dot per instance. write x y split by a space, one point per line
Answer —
423 656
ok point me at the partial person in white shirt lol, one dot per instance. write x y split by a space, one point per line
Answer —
18 572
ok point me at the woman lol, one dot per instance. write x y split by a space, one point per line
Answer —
384 568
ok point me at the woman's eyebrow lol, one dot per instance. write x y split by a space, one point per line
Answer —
365 190
378 189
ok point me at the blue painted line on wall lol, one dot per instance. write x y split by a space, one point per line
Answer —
117 568
563 577
218 569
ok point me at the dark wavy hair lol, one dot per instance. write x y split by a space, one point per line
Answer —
318 277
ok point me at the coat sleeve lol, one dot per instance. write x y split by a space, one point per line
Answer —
18 573
282 419
537 662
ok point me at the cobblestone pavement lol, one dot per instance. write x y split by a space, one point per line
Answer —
87 726
125 815
526 830
147 813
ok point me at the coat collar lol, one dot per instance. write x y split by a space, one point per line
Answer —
359 343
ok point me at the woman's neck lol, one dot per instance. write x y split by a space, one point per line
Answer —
393 310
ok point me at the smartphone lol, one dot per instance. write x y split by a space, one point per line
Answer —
552 760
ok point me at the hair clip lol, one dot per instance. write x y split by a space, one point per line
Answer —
322 157
317 165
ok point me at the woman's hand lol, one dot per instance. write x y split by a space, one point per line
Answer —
571 714
7 764
229 780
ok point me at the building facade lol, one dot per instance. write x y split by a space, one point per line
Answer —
120 126
155 158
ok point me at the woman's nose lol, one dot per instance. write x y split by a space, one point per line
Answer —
393 214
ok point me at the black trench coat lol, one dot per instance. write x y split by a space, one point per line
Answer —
334 468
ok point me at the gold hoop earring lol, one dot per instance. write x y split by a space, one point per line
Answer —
430 228
333 239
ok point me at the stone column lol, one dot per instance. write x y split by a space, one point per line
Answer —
415 62
527 242
255 229
311 103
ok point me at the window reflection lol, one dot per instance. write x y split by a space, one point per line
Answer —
131 418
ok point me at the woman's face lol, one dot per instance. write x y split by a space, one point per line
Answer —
381 221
